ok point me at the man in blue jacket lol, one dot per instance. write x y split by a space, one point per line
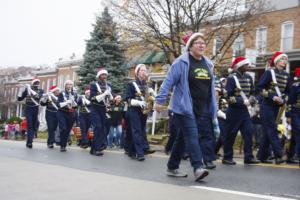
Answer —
194 106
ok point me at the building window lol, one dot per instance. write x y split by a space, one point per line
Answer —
217 45
261 39
238 46
287 36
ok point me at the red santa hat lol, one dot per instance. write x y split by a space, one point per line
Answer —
137 68
189 37
35 79
101 71
276 57
87 90
297 74
239 62
54 88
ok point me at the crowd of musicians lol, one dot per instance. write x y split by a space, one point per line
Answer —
205 112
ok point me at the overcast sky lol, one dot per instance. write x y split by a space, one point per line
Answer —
35 32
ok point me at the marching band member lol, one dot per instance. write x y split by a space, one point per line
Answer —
50 100
137 118
274 87
33 94
66 113
293 116
239 87
100 98
84 117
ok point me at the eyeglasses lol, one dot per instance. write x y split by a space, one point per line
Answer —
199 43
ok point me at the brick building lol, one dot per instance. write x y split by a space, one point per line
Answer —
277 29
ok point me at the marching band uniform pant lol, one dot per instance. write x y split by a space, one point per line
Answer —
238 119
137 125
98 122
52 123
31 114
66 121
85 124
268 113
296 130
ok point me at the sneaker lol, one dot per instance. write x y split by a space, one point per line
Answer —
140 158
200 173
29 145
210 165
50 146
176 173
228 162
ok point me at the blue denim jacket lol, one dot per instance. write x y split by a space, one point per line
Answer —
177 79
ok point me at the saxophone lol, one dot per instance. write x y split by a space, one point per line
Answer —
149 99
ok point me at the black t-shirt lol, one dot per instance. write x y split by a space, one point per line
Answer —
200 84
117 112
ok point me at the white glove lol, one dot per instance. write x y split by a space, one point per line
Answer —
44 99
100 97
63 104
135 102
246 103
106 92
221 114
87 102
21 90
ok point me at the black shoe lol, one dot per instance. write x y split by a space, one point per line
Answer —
103 147
149 151
252 161
29 145
84 146
50 146
291 161
278 161
96 153
140 158
228 162
266 161
210 165
63 149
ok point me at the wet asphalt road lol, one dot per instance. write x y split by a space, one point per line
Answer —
270 180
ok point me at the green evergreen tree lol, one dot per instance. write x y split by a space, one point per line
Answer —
104 50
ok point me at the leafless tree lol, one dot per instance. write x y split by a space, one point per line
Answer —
163 22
